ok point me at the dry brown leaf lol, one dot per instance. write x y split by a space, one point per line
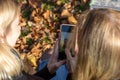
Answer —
22 46
24 40
72 19
38 26
47 47
47 14
33 3
38 45
42 8
23 24
65 13
67 6
47 30
36 19
33 13
58 2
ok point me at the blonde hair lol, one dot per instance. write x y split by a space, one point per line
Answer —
72 40
8 11
10 61
99 46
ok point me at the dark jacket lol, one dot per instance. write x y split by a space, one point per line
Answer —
43 74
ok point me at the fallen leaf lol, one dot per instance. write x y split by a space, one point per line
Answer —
65 13
72 19
58 2
32 60
67 6
36 19
33 13
46 14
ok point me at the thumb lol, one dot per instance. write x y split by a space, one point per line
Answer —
58 64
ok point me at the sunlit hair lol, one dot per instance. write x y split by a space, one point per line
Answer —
10 62
8 12
72 40
99 46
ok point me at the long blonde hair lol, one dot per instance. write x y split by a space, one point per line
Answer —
99 46
10 61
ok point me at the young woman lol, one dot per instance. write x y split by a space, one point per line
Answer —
98 42
10 62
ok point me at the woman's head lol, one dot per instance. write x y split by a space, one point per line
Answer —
99 46
9 20
10 61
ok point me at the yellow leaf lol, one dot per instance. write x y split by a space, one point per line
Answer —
65 13
68 6
72 19
33 13
28 67
59 2
36 19
32 60
46 14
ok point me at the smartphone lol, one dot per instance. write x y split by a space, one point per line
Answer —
65 32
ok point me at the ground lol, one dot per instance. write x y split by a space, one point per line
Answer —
40 24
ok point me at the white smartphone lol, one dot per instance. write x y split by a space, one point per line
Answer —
65 32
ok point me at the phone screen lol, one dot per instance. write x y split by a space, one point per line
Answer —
65 32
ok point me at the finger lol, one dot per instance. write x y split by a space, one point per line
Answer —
52 55
69 66
51 51
68 54
56 46
55 52
58 64
59 37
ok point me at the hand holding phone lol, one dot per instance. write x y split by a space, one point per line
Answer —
65 32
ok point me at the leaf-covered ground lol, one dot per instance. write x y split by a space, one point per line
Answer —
40 24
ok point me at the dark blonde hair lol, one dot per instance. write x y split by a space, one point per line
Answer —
98 46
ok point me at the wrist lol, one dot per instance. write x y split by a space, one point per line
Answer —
50 69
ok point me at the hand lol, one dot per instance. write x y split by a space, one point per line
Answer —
53 63
71 61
